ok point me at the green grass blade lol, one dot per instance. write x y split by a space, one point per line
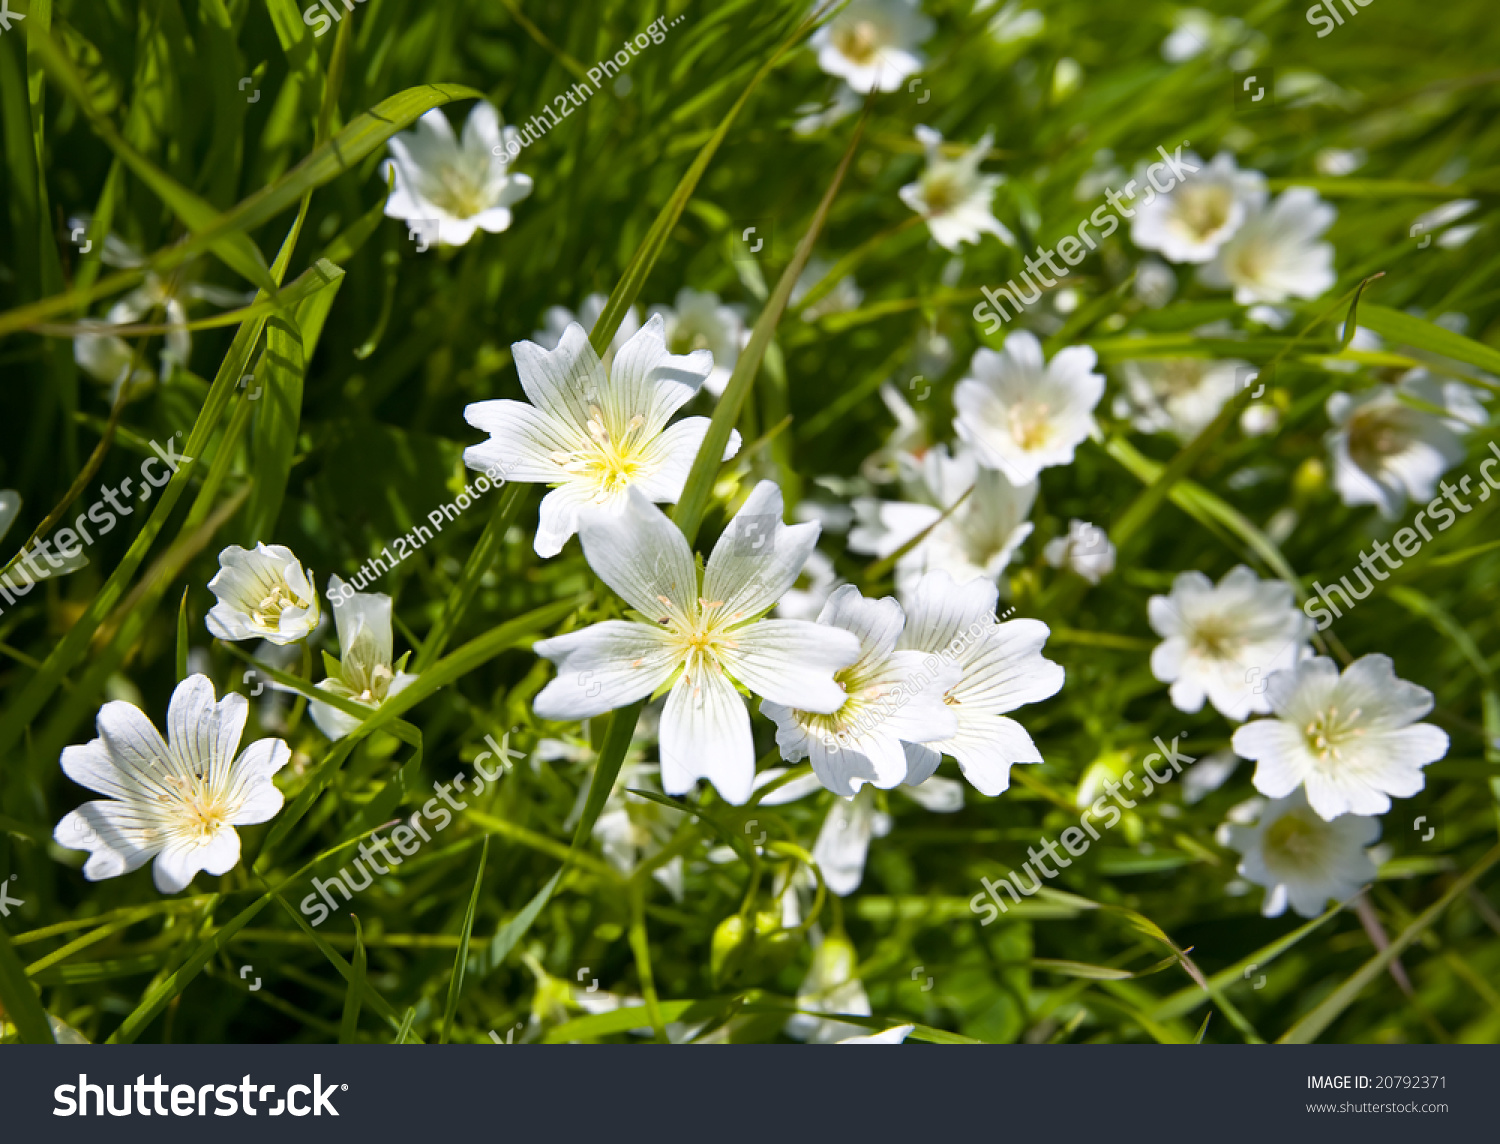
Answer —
461 959
22 1005
349 1024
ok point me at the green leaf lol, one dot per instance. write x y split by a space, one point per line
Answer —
461 959
22 1005
494 955
182 637
1420 334
349 1025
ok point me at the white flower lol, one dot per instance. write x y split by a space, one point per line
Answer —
844 840
829 987
1022 414
456 186
366 674
820 579
557 319
591 433
1275 254
1302 859
895 1035
1179 395
1013 23
700 640
630 829
845 295
890 700
176 801
1224 642
1086 550
1003 668
1154 283
907 440
978 538
24 569
872 44
953 196
1384 450
1190 222
1351 740
698 321
263 594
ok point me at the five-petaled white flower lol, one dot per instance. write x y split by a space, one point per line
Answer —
696 321
1351 740
591 433
1302 859
872 44
1275 254
890 701
176 801
1003 668
954 198
366 674
1385 450
699 640
456 187
1179 395
263 594
1223 642
1021 413
1190 222
979 537
1086 550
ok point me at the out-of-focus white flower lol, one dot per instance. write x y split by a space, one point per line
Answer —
1086 550
1021 413
890 700
1003 669
177 801
456 186
1013 23
1223 642
844 840
1179 395
696 321
954 198
1429 222
1193 33
813 117
1154 283
829 987
845 295
366 674
1259 418
893 1036
107 357
557 319
1190 222
1350 740
1303 860
1384 450
630 829
816 582
700 640
908 440
595 433
978 538
1275 254
1207 775
872 44
263 594
1335 162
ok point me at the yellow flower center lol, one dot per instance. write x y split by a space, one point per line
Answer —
609 462
1205 209
1296 839
267 613
460 191
1329 732
1030 425
858 40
